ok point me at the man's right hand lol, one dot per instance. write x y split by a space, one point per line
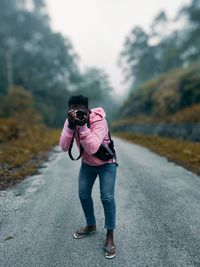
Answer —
71 117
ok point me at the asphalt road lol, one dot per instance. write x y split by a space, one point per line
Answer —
158 215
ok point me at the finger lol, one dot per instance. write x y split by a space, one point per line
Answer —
71 114
71 111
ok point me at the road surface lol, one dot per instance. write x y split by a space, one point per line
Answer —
158 215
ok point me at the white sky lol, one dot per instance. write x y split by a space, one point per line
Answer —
97 28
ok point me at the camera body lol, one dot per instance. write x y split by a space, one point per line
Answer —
80 113
77 117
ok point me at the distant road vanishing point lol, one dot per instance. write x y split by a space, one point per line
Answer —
158 215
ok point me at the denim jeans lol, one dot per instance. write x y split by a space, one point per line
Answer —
107 177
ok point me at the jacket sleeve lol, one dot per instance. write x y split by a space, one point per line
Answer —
66 137
91 139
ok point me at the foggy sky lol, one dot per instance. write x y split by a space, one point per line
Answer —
97 28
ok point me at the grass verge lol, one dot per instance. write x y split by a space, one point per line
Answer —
184 153
23 155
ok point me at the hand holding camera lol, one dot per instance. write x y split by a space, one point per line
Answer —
71 117
77 118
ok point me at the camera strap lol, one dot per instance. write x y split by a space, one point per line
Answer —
70 148
81 147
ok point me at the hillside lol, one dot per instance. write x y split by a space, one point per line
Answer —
169 94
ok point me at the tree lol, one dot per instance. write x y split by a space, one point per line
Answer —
159 23
165 47
138 57
43 62
190 47
34 57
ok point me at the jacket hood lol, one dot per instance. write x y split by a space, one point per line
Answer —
97 114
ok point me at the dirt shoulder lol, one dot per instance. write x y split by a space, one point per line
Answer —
22 156
184 153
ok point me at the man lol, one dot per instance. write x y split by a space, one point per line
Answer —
90 130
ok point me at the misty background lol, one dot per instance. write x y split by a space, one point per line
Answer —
114 52
97 29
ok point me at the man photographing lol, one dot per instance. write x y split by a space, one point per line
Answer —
90 129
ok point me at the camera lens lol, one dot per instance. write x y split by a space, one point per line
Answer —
80 114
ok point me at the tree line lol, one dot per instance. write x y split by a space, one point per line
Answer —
165 46
162 65
44 63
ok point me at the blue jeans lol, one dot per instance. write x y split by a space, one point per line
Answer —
107 177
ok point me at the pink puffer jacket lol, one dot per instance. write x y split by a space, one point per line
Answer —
90 138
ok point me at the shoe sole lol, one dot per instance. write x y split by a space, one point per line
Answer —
83 235
110 257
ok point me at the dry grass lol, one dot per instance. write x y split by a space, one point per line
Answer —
22 154
164 95
183 153
189 114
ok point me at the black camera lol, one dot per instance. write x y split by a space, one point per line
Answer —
80 113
